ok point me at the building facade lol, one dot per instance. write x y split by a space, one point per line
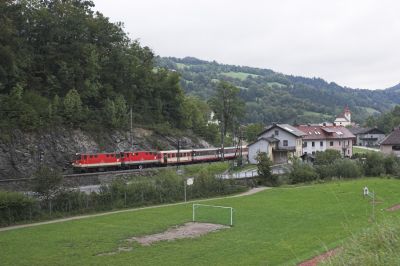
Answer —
321 138
344 119
368 137
391 144
279 141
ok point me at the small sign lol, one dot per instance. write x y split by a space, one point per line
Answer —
190 181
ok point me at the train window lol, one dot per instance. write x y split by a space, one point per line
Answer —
118 155
84 157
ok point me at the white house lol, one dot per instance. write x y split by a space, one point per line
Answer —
321 138
279 141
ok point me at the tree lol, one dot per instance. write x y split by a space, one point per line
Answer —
47 182
326 157
73 107
252 130
302 172
264 169
228 108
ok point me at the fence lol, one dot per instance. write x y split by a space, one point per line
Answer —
16 207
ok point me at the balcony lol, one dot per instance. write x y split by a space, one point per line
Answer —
284 148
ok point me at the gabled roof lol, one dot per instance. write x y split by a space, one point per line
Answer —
286 127
325 132
365 130
270 140
393 138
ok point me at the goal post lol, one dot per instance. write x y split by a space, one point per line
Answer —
212 214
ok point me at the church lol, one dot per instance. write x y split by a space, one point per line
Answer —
344 119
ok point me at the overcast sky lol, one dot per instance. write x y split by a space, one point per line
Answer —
355 43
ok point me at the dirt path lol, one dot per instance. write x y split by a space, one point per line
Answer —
314 261
250 192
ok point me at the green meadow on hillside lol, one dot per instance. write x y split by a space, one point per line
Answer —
275 226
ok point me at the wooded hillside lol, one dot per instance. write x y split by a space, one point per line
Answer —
61 63
275 97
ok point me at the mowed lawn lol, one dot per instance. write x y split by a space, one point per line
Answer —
276 226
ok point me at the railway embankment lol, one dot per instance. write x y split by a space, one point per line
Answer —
22 153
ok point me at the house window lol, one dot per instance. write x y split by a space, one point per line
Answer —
340 143
305 144
331 143
276 132
313 152
321 144
285 143
396 147
313 144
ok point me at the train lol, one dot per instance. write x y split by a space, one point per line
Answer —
144 159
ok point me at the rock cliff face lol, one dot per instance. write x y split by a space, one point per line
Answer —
22 153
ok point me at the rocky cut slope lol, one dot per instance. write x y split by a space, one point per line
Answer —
22 153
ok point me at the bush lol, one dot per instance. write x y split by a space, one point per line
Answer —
302 172
341 168
374 164
326 157
15 207
264 170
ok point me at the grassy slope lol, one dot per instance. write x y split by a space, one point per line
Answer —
238 75
285 225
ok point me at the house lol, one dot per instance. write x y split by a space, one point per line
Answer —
321 138
391 144
368 137
344 119
279 141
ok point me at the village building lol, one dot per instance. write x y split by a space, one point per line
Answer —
391 144
321 138
344 119
279 141
368 137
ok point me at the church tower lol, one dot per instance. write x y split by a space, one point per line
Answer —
347 113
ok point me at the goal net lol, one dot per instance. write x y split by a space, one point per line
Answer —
212 214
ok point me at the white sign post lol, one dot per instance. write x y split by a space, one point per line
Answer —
188 182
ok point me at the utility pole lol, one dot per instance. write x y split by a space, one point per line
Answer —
178 158
131 138
240 148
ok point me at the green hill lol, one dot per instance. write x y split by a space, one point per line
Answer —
275 97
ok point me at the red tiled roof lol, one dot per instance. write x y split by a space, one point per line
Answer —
325 132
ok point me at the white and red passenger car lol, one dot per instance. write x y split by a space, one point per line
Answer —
141 159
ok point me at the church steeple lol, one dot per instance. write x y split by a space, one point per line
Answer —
347 113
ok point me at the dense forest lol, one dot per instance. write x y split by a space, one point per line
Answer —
275 97
61 63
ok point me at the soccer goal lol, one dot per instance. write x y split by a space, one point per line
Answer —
212 214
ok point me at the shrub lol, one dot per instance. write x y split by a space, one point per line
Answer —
326 157
264 170
374 164
16 207
347 168
302 172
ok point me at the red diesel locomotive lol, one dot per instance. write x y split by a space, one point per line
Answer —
141 159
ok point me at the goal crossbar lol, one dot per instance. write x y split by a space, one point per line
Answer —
212 206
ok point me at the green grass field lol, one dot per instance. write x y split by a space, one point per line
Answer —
276 226
362 151
238 75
